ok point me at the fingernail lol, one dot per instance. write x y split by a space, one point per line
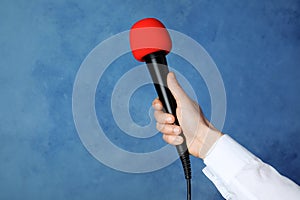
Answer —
169 119
177 130
178 140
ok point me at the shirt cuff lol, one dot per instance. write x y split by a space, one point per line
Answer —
225 160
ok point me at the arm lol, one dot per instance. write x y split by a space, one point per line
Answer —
236 172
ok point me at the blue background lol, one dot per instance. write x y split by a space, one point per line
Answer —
255 44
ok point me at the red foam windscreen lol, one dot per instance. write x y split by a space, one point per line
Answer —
147 36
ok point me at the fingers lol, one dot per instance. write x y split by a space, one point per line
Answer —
168 129
162 117
165 124
156 104
173 140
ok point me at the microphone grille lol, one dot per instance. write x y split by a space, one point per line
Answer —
147 36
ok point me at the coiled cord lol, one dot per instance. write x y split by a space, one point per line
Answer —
186 164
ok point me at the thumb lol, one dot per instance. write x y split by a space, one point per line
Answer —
176 90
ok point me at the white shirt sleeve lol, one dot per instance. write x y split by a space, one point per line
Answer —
239 175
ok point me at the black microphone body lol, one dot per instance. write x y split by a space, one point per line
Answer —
158 68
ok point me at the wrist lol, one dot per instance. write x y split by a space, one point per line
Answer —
209 139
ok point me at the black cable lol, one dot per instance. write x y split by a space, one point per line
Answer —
188 189
186 163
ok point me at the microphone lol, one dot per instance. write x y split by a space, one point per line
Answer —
150 42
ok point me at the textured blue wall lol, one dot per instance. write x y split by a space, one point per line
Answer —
255 44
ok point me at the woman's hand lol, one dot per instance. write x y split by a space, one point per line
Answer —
199 132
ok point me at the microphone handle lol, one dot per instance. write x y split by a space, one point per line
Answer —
158 68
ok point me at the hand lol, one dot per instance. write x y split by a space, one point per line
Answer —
199 132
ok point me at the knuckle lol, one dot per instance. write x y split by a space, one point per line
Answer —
156 114
160 117
169 139
158 127
161 127
166 138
